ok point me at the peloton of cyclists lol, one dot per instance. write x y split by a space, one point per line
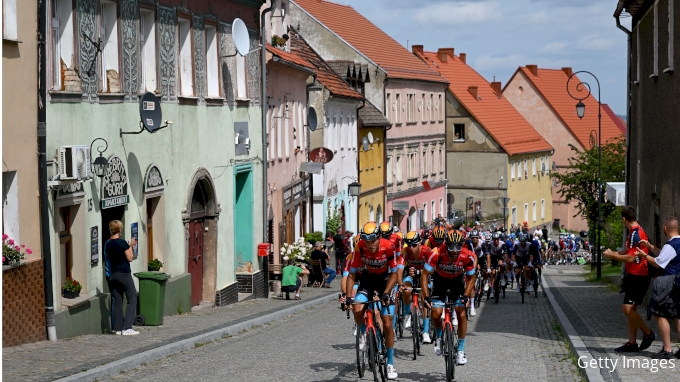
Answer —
414 256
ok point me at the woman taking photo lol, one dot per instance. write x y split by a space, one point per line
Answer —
119 256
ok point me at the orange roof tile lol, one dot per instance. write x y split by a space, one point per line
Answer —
552 85
620 122
370 40
292 58
498 117
324 74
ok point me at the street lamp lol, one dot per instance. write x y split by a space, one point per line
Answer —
354 189
580 111
99 164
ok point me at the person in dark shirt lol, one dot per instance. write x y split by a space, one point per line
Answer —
339 244
118 257
319 254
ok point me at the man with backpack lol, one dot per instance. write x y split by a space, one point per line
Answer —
665 303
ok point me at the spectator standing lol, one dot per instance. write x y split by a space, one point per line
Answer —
319 254
635 283
339 241
665 304
291 280
545 233
118 257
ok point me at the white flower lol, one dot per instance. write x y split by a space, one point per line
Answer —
285 258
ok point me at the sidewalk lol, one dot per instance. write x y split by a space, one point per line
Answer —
47 361
594 311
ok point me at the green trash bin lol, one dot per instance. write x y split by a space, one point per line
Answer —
151 297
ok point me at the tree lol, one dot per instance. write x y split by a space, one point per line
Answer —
579 182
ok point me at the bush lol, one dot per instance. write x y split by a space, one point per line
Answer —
334 221
313 237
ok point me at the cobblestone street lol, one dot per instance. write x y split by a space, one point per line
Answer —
317 345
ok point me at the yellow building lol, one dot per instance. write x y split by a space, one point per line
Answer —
371 144
529 189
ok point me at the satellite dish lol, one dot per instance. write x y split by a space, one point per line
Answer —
370 137
150 112
241 38
364 143
311 119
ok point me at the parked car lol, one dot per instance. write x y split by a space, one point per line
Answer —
457 218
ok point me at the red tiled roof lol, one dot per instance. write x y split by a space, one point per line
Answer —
292 58
370 40
324 74
496 115
552 85
620 122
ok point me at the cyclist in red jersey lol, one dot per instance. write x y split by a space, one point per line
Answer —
375 258
452 267
414 256
437 238
388 233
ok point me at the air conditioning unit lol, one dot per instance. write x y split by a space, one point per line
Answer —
74 163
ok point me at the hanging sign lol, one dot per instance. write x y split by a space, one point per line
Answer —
94 245
114 184
321 155
287 196
297 191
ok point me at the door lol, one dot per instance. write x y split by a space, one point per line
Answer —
149 228
243 214
195 266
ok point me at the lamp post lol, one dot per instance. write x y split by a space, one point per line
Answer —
584 87
99 164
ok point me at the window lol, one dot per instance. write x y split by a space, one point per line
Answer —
397 109
432 163
424 215
533 167
388 106
389 170
109 36
423 108
334 134
442 161
341 135
459 132
286 124
380 214
272 132
512 171
547 165
186 71
519 170
241 92
542 209
430 106
10 205
411 165
399 175
147 35
526 212
371 213
433 210
9 20
424 164
441 206
542 168
514 215
533 211
212 61
411 115
526 169
441 108
62 40
279 139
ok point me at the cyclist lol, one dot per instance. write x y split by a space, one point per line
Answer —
375 257
452 268
476 245
427 233
495 258
509 269
523 255
538 263
437 238
414 257
388 233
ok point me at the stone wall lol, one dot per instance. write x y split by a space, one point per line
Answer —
23 304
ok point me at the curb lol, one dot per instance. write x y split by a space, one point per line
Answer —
136 360
576 344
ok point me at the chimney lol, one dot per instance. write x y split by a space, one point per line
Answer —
443 52
463 57
568 71
533 69
496 86
473 91
417 49
442 56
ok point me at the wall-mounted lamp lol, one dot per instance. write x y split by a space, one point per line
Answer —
99 165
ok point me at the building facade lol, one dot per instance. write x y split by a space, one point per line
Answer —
652 187
540 96
23 285
189 190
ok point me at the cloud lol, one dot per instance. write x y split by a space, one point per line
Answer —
487 62
554 47
458 12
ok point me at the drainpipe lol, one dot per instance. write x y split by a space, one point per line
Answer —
264 104
617 15
42 172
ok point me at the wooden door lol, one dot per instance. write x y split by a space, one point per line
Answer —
149 228
196 260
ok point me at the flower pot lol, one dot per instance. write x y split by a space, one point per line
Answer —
153 269
67 294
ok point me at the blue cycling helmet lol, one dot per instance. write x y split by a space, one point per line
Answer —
522 238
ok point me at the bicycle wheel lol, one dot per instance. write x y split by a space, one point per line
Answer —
361 357
479 290
415 332
373 355
449 355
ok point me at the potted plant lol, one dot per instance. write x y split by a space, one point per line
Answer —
155 265
12 253
71 288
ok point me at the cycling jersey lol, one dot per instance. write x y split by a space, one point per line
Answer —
378 263
497 252
527 249
478 249
639 266
448 266
348 262
409 259
431 243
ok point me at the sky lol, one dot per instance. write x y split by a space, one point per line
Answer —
501 35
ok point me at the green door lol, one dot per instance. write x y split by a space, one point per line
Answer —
243 216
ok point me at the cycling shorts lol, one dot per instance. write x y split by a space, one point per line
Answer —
447 288
367 287
522 261
409 279
537 260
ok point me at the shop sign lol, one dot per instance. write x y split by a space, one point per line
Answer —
297 191
321 155
287 196
400 205
94 245
114 184
307 185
